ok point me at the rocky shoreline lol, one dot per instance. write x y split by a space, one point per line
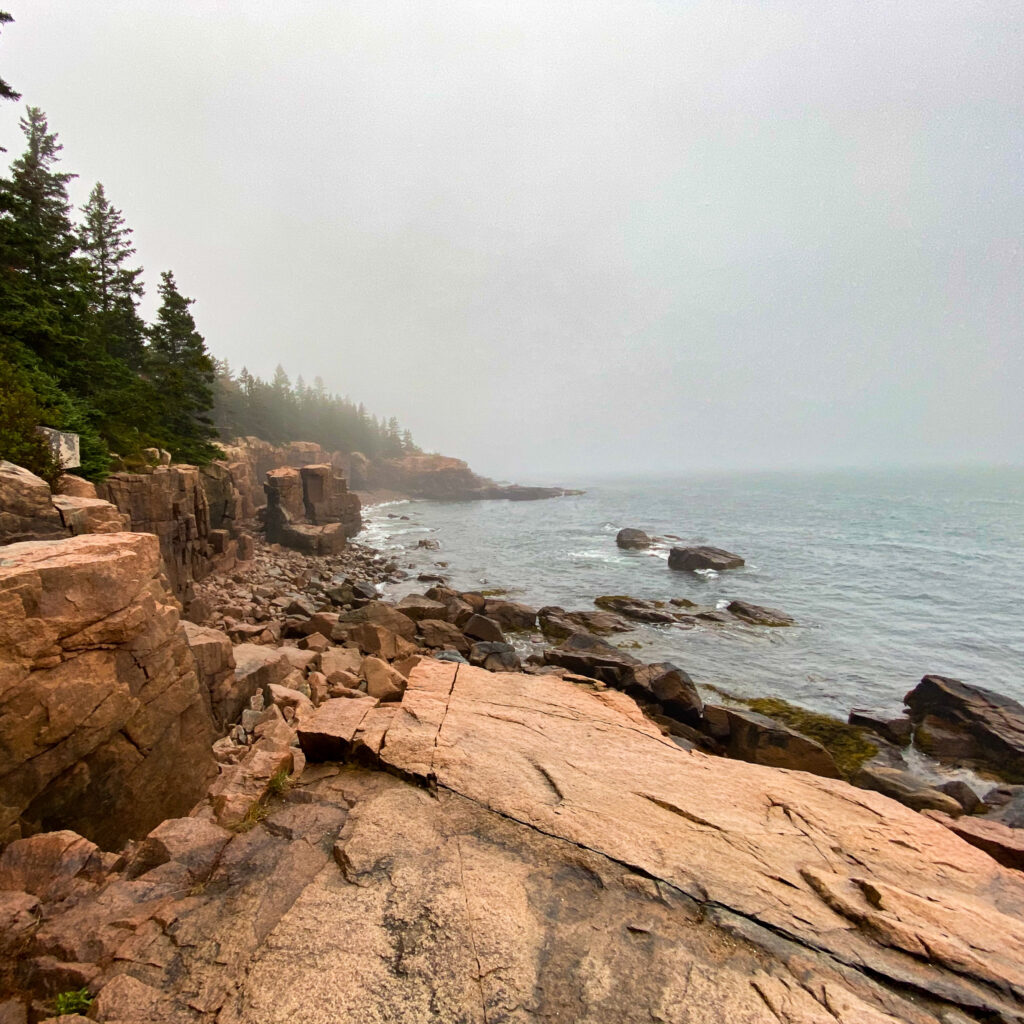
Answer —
283 796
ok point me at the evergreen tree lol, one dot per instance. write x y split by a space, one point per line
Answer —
6 92
114 288
40 293
183 373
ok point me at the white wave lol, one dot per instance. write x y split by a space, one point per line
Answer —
708 574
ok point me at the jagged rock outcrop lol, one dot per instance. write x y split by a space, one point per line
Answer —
310 509
959 722
171 503
26 511
104 728
564 861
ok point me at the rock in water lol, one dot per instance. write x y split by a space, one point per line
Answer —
955 721
104 728
632 539
692 559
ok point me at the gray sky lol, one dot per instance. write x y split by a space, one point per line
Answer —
570 237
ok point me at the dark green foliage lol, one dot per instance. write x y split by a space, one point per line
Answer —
182 371
6 92
20 414
279 411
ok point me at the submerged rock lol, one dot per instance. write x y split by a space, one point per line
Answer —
631 539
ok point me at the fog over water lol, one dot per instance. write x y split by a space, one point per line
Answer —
575 238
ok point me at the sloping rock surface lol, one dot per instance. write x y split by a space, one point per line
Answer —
564 861
104 728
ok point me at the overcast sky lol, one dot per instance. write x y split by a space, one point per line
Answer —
572 237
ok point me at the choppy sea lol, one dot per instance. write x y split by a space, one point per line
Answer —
890 575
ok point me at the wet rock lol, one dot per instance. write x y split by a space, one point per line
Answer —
963 795
591 656
748 736
634 608
480 627
758 615
451 656
631 539
958 722
511 614
892 726
495 657
695 558
670 686
907 788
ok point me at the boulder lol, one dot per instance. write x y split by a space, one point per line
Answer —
104 726
193 842
958 722
907 788
379 641
635 608
340 659
326 734
495 657
89 515
758 615
631 539
670 686
964 795
480 627
555 623
76 486
892 726
511 614
438 633
382 681
26 510
418 607
702 557
748 736
52 866
588 655
382 615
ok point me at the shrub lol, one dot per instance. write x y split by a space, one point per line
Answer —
72 1001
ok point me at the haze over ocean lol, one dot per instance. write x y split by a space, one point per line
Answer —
890 575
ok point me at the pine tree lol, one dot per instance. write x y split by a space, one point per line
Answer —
40 281
114 288
6 92
183 372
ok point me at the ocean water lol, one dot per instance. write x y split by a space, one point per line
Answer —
890 575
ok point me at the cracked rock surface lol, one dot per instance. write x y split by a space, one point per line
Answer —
536 850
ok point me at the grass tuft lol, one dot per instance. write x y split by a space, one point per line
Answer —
73 1001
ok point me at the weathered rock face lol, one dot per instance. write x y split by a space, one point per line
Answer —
104 728
955 721
249 459
26 511
310 509
171 503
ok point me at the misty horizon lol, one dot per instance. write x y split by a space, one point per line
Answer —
577 241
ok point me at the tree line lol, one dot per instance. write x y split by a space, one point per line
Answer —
76 355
